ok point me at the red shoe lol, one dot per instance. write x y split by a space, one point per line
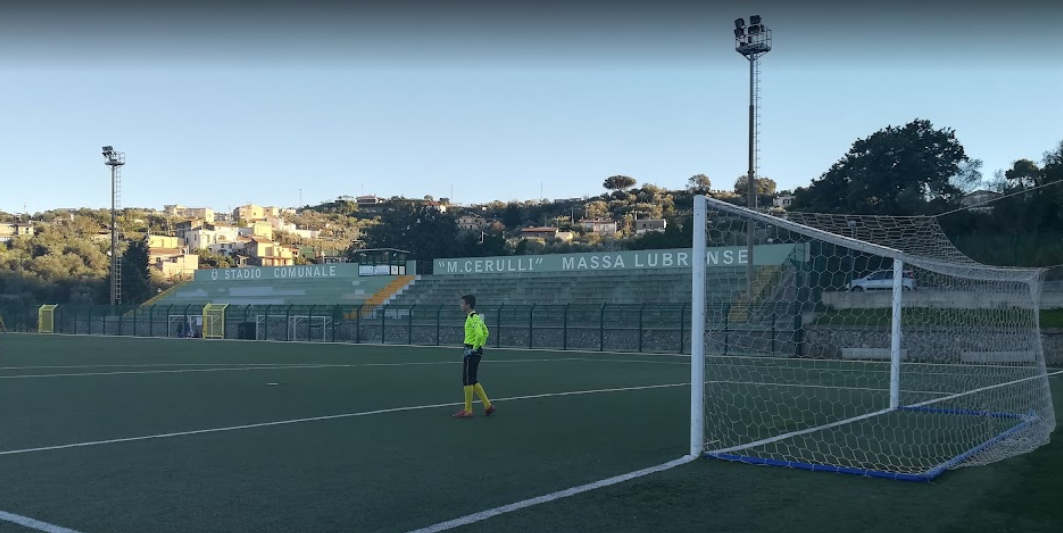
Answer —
489 410
462 414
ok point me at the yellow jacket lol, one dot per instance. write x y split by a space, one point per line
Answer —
475 331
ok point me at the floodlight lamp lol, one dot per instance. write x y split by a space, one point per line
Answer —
754 29
739 33
755 19
740 23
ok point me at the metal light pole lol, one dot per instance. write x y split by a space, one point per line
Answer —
115 160
752 43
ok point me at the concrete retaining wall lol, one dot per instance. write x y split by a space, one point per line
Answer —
930 344
938 298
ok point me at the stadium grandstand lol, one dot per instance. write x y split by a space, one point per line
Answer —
624 300
376 277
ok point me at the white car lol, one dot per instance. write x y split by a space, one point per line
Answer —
881 280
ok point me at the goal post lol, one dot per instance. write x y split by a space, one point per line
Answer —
897 287
697 330
46 319
865 345
214 321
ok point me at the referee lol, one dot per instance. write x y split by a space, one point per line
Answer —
475 338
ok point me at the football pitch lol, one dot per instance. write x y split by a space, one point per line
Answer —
116 435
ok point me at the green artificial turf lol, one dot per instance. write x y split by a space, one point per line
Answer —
403 470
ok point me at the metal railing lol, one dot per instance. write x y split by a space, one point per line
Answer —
595 327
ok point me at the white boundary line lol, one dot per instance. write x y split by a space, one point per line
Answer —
28 522
141 372
151 365
785 436
484 515
802 361
982 389
248 367
332 417
264 367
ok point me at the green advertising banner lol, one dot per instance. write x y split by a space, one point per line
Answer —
766 255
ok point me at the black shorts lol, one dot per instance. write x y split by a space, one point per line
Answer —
470 366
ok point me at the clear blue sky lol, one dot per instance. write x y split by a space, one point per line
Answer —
222 108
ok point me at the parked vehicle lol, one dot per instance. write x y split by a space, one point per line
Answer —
881 280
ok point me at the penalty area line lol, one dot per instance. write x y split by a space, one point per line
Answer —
546 498
34 524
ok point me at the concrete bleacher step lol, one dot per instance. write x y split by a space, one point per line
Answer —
384 295
573 288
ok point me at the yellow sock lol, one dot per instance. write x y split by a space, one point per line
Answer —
483 395
468 398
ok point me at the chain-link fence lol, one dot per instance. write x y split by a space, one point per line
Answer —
605 327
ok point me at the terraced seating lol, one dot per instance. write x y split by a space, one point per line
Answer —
631 288
278 292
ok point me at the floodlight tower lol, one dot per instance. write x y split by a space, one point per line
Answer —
752 42
115 160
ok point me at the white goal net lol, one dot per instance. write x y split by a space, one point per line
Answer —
293 327
863 345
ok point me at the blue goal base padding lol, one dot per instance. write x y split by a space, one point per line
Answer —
923 477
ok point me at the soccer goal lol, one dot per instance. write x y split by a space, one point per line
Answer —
293 327
46 319
214 321
862 345
184 326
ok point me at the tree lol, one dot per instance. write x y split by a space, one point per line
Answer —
1024 173
425 233
512 216
429 198
1052 171
136 273
619 183
764 186
212 260
596 209
969 178
906 170
1034 210
699 184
